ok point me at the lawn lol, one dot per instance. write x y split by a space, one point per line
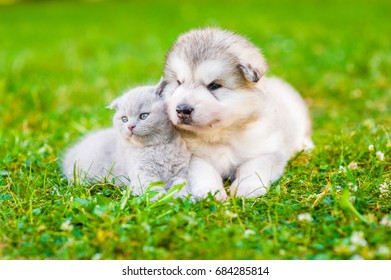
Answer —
61 63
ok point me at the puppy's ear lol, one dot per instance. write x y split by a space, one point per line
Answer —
253 74
114 105
160 87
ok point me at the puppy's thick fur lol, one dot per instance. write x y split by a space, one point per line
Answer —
237 123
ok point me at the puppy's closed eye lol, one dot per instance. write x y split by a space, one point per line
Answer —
213 86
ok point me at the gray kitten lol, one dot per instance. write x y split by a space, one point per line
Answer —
143 146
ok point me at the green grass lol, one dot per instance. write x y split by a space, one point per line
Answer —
62 63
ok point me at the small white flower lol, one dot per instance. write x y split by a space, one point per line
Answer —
305 217
248 232
341 169
357 257
371 148
66 226
97 256
353 166
383 250
282 252
385 221
146 227
352 248
383 188
230 214
352 198
352 187
358 239
380 156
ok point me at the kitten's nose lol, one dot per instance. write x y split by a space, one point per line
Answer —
184 111
131 127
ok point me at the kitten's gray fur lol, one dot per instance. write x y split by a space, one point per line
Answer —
151 152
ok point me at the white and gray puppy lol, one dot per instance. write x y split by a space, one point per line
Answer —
143 147
236 122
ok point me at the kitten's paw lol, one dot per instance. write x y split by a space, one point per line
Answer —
157 195
136 191
181 194
142 186
180 188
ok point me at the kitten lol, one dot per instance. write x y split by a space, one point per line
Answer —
143 146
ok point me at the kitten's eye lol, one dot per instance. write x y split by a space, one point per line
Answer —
213 86
124 119
178 82
143 116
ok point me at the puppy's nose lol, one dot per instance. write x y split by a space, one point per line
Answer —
184 110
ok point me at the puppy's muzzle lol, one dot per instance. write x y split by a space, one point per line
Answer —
184 112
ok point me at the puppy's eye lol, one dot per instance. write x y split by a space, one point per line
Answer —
124 119
213 86
143 116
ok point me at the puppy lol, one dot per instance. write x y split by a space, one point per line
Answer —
237 123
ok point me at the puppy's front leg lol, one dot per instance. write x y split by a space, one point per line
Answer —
254 177
204 179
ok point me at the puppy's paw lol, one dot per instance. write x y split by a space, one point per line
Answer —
219 194
248 188
202 188
204 179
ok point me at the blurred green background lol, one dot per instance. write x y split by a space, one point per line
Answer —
58 55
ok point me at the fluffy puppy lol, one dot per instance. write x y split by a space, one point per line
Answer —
236 122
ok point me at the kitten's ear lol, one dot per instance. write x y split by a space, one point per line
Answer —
160 87
115 104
